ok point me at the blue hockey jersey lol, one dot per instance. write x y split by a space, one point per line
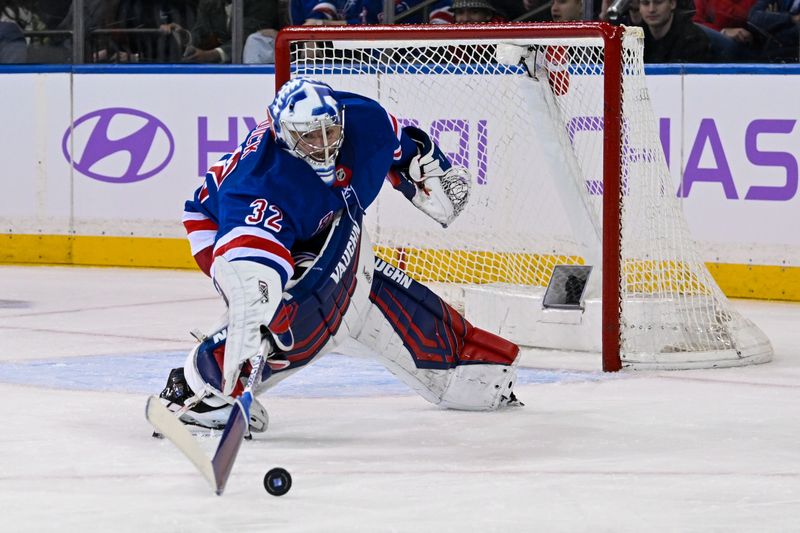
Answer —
366 11
302 10
256 202
371 12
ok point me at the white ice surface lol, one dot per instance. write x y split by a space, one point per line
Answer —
80 349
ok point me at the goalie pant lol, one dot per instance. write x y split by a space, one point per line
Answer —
347 293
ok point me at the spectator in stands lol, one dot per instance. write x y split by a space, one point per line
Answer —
629 17
260 47
475 12
316 12
211 34
632 17
320 13
97 14
777 23
566 10
536 10
670 37
148 16
511 9
724 22
21 12
13 48
17 17
51 12
371 12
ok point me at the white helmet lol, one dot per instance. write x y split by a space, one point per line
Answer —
308 121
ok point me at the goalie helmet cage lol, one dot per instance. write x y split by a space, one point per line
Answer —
555 123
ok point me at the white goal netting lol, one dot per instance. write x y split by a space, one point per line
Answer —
526 116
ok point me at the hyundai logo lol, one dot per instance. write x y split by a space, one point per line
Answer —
118 145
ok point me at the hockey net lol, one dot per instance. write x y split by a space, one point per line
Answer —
550 119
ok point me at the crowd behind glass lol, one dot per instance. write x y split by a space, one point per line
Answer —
243 31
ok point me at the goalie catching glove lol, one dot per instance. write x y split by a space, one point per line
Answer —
442 190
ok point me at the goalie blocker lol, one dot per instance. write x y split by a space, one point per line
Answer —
347 293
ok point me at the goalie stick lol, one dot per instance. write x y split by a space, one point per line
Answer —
217 470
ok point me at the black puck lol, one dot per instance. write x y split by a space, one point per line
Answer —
277 481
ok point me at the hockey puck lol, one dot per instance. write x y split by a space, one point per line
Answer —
277 481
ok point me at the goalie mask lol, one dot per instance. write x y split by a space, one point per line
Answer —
309 124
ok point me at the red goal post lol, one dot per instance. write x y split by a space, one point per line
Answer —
615 276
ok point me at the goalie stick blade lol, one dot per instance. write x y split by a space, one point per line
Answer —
170 427
236 429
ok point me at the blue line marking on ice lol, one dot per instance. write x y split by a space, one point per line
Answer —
332 376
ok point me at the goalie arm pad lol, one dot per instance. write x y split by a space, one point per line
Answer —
252 292
428 179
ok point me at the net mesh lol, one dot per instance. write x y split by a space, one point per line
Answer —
526 117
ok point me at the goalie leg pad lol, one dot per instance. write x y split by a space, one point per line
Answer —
246 287
479 387
207 407
319 312
433 349
328 304
203 370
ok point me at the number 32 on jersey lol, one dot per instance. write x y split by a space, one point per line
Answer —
263 211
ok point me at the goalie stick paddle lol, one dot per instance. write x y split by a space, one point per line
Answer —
168 425
218 470
237 427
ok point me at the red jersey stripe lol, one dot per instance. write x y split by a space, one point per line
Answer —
259 243
199 225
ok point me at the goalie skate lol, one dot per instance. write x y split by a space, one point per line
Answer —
177 395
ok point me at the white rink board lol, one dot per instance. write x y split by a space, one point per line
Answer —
755 119
156 203
746 140
36 181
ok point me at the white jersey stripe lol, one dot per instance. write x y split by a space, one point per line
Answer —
329 10
201 239
193 215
